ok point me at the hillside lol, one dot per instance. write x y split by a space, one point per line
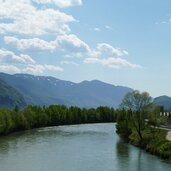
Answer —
9 97
42 90
164 101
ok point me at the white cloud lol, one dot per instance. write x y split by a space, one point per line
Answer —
111 62
40 69
24 18
69 63
60 3
34 69
66 43
104 54
9 69
12 63
26 59
72 44
30 44
53 68
97 29
10 57
108 27
108 50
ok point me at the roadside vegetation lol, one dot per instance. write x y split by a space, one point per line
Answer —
138 122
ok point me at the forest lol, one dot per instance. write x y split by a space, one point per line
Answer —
36 116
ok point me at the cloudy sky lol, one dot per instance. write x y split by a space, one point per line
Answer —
120 42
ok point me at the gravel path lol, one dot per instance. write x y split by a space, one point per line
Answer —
168 137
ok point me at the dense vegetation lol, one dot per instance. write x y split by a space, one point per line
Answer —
138 122
54 115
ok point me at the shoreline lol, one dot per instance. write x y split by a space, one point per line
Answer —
160 148
32 129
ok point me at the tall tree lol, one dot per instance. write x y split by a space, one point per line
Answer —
139 104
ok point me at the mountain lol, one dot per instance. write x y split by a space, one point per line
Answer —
10 97
164 101
42 90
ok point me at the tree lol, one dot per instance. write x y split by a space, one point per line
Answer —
139 104
16 109
123 123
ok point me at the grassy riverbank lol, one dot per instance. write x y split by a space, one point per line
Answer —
138 123
154 141
151 139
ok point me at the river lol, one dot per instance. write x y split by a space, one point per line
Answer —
89 147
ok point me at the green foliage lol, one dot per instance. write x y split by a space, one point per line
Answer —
54 115
6 121
139 104
154 142
165 150
136 101
137 122
123 125
154 119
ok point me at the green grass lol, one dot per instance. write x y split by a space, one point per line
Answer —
154 141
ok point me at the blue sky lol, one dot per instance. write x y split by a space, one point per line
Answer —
120 42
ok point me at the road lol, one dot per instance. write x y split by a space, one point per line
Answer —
168 136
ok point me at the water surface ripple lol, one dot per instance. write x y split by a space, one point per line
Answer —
89 147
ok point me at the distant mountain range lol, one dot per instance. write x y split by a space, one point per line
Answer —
42 90
24 89
164 101
9 96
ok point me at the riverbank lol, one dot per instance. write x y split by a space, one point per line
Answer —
155 141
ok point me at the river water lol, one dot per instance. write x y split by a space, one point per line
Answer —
89 147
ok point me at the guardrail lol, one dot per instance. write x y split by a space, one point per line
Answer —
167 114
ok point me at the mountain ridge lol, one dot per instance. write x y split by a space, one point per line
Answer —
164 101
47 90
10 97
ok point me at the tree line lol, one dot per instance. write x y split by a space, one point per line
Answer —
54 115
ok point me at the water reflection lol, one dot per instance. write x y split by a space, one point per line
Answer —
130 158
122 152
93 147
31 137
122 149
4 146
